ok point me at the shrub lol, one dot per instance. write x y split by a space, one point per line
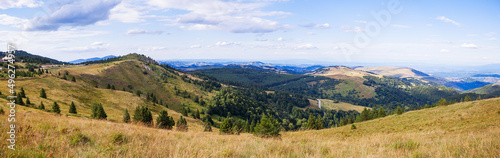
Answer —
78 139
118 138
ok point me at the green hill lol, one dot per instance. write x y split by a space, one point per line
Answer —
469 129
491 89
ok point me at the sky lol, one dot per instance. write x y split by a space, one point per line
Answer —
336 31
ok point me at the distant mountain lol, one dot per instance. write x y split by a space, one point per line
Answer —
91 59
24 56
492 89
195 66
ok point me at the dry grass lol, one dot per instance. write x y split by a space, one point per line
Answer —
461 130
330 104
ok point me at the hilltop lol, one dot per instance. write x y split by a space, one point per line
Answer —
458 130
491 89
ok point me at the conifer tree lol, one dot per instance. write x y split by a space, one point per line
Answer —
23 94
2 112
28 102
184 112
113 87
41 107
399 111
207 127
353 127
126 116
197 116
143 114
311 122
182 124
73 79
19 99
442 102
98 112
164 121
467 98
319 123
42 93
108 86
381 112
55 108
268 127
374 113
252 127
227 126
72 108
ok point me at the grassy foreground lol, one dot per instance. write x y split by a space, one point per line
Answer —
470 129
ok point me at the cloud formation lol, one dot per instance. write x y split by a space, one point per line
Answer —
93 47
143 32
469 45
79 13
6 4
442 18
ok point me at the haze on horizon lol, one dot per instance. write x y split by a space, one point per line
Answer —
417 32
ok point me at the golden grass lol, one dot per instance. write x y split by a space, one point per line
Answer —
331 105
469 129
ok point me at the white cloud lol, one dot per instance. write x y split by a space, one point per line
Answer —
442 18
322 26
78 13
361 21
195 46
6 4
469 45
128 13
471 35
280 39
14 21
445 51
492 39
227 43
351 29
231 16
400 26
490 34
306 46
142 31
93 47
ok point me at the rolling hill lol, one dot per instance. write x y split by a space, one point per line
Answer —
491 89
469 129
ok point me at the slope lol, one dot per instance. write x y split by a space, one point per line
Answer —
492 89
469 129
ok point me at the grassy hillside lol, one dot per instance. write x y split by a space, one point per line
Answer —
492 89
469 129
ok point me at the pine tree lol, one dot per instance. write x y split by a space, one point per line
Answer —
428 106
98 112
55 108
319 123
108 86
353 127
113 87
184 112
207 127
2 112
197 116
23 94
143 114
164 121
381 112
268 127
227 126
42 93
252 127
72 108
28 102
73 79
311 122
399 111
182 124
365 115
126 116
374 113
467 98
19 99
442 102
41 107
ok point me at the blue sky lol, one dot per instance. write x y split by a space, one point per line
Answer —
418 31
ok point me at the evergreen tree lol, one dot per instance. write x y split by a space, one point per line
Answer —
164 121
381 112
374 113
252 127
182 124
268 127
98 112
319 123
428 106
108 86
207 127
467 98
2 112
399 110
197 116
227 126
442 102
353 127
64 77
28 102
41 107
113 87
311 122
208 118
143 114
184 112
19 99
23 94
126 116
73 79
42 93
55 108
72 108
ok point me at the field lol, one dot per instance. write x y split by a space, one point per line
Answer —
469 129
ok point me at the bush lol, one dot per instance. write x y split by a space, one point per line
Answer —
118 138
182 124
353 127
78 139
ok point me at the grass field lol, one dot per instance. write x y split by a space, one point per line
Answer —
470 129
